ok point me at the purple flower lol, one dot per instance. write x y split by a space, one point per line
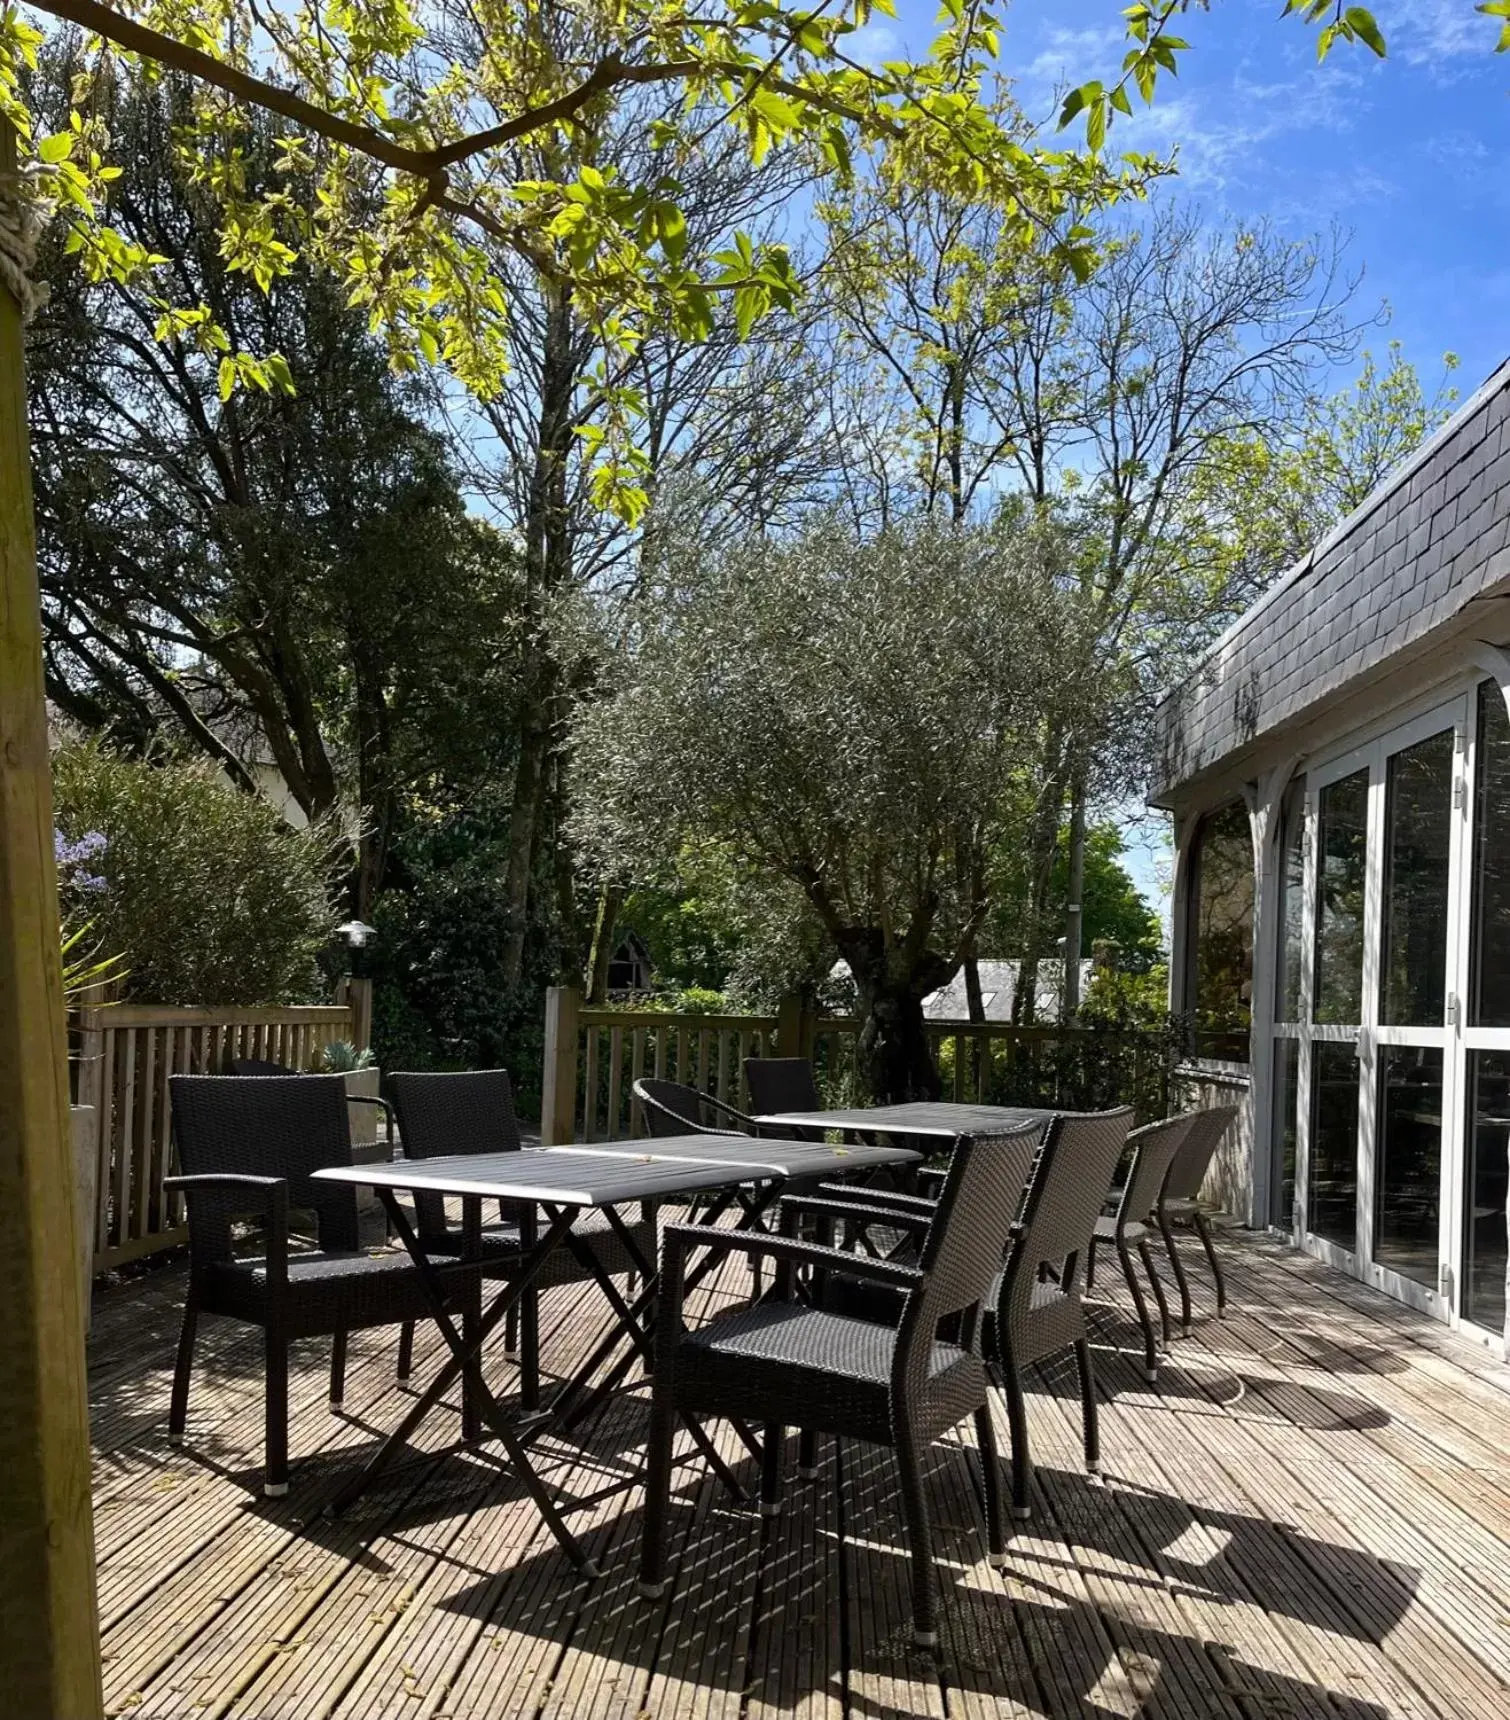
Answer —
71 856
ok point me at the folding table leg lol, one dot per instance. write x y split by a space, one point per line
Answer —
466 1363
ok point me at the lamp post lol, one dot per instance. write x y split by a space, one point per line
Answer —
356 987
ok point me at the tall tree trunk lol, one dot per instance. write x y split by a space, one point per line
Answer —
374 779
1042 843
610 900
893 1059
1074 911
548 557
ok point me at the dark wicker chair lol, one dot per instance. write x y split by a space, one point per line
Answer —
786 1363
247 1148
1037 1309
669 1108
783 1084
1180 1200
472 1111
1154 1148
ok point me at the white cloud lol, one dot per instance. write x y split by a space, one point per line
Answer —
1221 133
873 44
1072 56
1439 35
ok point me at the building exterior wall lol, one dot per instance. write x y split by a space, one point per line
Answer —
1391 582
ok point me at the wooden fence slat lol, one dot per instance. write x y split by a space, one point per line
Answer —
636 1073
146 1169
126 1141
106 1135
615 1082
590 1087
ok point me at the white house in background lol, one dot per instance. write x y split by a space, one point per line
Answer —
998 988
1339 775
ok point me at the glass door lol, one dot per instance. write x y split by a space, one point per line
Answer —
1423 798
1338 902
1374 1074
1480 1244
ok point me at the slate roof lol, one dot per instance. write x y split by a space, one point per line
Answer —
1391 579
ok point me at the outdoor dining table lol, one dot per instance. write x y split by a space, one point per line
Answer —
940 1120
561 1183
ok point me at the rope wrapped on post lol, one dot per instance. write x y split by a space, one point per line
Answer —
18 244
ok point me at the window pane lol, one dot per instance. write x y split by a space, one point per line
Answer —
1221 927
1291 904
1490 990
1286 1114
1417 829
1408 1173
1484 1254
1334 1143
1341 851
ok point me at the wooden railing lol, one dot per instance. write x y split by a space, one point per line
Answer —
593 1056
124 1054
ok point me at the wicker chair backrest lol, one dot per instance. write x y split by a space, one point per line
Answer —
460 1111
961 1253
1070 1184
1193 1160
280 1126
259 1066
781 1084
670 1108
1155 1148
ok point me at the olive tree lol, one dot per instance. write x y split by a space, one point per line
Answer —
858 719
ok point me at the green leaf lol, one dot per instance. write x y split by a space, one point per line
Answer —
227 378
1364 27
56 148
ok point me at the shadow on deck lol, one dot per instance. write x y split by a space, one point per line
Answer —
1308 1515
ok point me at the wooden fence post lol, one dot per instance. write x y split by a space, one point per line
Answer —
49 1629
558 1099
790 1027
359 1000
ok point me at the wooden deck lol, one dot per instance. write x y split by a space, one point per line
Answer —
1310 1516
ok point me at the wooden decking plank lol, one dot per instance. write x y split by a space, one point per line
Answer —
1368 1588
351 1620
794 1665
888 1675
1310 1515
1276 1593
1158 1661
985 1659
1455 1430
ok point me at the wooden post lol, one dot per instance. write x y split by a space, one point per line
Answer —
359 997
789 1027
49 1629
558 1101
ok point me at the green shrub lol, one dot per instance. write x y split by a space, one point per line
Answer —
204 893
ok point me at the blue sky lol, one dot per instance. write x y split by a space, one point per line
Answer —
1410 155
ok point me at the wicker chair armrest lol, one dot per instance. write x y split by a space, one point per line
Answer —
224 1179
273 1204
920 1206
676 1238
381 1103
856 1213
720 1108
